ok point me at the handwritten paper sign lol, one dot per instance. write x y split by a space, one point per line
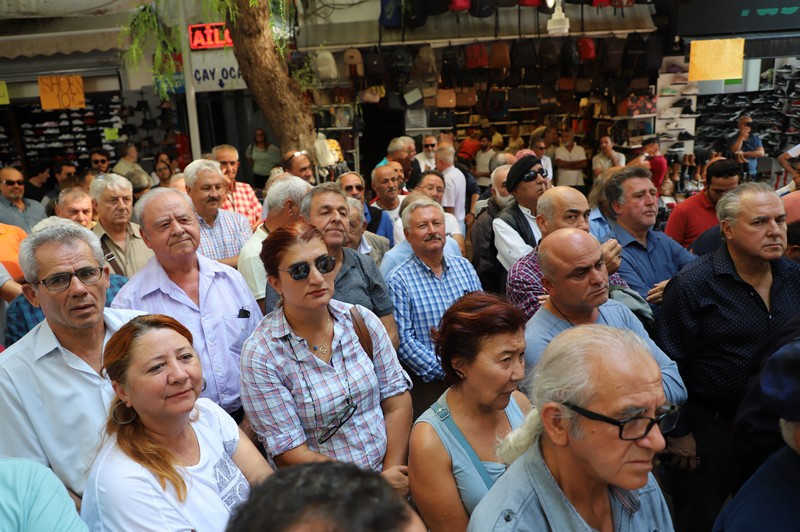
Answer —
716 59
61 92
4 99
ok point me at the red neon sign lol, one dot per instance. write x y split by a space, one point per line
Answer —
209 36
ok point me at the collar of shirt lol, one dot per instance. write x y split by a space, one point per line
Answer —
625 238
154 277
426 268
597 214
363 246
527 212
133 230
347 263
279 328
704 201
46 341
6 202
722 264
202 221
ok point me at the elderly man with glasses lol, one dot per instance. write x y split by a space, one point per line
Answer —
582 460
55 400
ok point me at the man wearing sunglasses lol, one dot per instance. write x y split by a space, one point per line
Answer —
14 208
378 220
583 458
427 159
55 400
100 159
575 277
694 216
515 229
211 299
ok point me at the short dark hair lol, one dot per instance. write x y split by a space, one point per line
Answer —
486 136
59 166
431 172
469 321
723 168
793 233
340 495
100 151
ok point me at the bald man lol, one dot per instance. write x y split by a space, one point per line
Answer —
575 276
558 208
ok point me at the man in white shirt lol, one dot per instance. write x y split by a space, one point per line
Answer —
539 148
606 157
455 190
570 161
516 232
427 159
482 159
55 401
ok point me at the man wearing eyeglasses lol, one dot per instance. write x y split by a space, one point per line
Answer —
583 459
211 299
239 197
575 277
378 220
515 229
100 159
296 162
55 400
694 216
14 208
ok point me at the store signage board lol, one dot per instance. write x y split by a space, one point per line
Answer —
209 36
716 59
731 17
216 70
4 99
61 92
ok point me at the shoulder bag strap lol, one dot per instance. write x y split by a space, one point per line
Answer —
361 331
444 416
110 257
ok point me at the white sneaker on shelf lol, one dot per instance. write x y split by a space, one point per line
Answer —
675 126
670 112
690 89
680 79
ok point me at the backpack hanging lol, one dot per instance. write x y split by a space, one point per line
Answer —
654 53
401 63
586 49
425 63
452 67
374 68
613 50
500 56
391 11
414 13
548 53
482 8
436 7
523 54
325 66
354 60
459 5
477 57
634 59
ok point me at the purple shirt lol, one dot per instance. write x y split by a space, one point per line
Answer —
226 316
524 283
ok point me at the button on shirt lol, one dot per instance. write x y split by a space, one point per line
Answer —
420 299
642 267
25 220
225 239
289 394
55 406
528 498
711 323
227 315
136 252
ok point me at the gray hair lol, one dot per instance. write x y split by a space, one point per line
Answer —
409 209
788 431
194 168
215 149
112 181
562 375
359 208
501 159
176 176
545 207
150 195
446 153
286 188
729 205
396 145
359 176
614 190
61 231
408 141
305 206
71 194
139 180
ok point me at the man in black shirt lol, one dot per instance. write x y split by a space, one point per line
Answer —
714 316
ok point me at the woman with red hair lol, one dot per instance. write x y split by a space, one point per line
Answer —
172 461
453 461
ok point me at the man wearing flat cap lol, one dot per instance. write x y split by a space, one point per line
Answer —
768 500
515 230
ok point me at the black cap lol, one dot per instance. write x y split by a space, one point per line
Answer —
651 140
519 169
780 382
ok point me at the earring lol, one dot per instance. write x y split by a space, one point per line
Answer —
205 385
114 414
460 375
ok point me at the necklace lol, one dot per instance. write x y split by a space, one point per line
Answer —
559 311
321 349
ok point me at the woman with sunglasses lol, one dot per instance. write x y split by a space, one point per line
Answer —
172 461
452 459
313 388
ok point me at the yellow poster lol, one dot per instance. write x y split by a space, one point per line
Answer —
61 92
4 99
716 59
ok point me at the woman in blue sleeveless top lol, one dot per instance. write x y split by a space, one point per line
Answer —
452 459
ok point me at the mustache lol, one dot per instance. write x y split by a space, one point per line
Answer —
433 236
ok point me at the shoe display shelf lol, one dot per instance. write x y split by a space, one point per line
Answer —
676 107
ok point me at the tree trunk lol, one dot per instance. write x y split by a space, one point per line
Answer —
277 95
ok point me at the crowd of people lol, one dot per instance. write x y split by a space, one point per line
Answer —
498 337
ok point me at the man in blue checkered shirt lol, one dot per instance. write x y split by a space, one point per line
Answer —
423 287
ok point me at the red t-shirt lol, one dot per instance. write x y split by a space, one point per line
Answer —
469 147
690 219
658 167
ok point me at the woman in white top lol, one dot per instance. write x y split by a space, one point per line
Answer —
172 461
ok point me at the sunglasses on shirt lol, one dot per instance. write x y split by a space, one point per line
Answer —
301 270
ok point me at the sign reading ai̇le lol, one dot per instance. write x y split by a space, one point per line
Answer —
214 67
